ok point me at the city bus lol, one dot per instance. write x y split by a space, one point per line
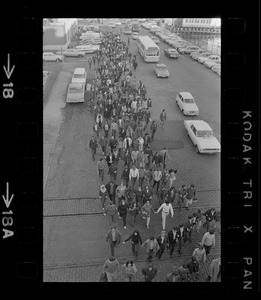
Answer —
148 50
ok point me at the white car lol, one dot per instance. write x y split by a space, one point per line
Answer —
210 63
71 52
161 70
135 35
171 53
50 56
217 69
75 93
187 104
188 49
198 53
87 48
210 57
118 23
202 136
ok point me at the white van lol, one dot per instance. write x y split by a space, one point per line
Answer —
79 76
88 48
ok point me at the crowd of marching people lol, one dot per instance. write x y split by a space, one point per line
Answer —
124 131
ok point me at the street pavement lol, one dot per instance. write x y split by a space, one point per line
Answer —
74 228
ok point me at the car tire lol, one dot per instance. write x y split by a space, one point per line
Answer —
197 150
58 60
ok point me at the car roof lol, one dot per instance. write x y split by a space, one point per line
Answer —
77 85
186 95
79 71
171 49
160 65
199 124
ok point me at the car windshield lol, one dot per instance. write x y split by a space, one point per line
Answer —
78 76
75 90
161 68
189 100
205 133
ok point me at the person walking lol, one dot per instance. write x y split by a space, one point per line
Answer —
149 273
193 268
146 211
151 246
121 191
109 160
199 219
163 117
183 273
113 171
135 240
162 242
182 193
215 270
200 253
103 142
173 276
208 240
210 218
134 175
111 211
157 175
180 237
163 154
156 159
111 187
188 229
191 196
106 128
101 168
134 211
113 237
93 145
153 129
103 195
129 270
96 129
111 268
166 209
122 212
172 240
125 175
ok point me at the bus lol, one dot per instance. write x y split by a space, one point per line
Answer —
148 50
135 27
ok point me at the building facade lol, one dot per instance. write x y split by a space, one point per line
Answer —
58 33
195 25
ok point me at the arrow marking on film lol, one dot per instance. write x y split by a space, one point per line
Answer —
8 72
6 200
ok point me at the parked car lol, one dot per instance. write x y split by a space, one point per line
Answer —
79 76
161 70
188 49
155 39
198 53
71 52
118 23
217 69
180 44
171 53
202 136
210 57
50 56
135 35
210 63
87 48
186 103
75 93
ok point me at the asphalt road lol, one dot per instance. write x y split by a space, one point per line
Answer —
77 239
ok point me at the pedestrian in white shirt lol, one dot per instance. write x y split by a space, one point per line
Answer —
157 175
166 208
208 240
133 175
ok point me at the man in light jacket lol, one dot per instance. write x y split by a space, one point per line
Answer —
166 208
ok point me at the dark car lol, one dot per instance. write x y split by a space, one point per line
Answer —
172 53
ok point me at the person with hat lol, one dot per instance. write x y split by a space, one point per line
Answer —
172 240
166 209
149 273
111 268
113 237
200 253
173 276
162 242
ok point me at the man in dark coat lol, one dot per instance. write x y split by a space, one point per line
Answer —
162 241
172 239
93 145
111 187
149 273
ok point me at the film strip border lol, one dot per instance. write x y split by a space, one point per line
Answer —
21 172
